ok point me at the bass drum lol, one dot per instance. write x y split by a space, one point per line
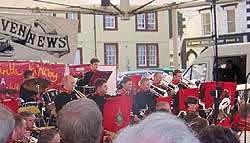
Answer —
49 98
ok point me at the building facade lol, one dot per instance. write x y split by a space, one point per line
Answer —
139 43
233 26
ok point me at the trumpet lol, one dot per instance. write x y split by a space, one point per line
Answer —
79 94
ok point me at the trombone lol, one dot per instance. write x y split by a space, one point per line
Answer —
187 83
155 90
170 86
79 94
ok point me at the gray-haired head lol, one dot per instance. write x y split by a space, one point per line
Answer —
80 121
7 123
158 127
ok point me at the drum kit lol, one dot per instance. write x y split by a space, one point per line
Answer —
43 104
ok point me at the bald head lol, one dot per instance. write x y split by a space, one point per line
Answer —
68 82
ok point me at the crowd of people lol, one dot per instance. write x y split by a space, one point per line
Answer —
80 116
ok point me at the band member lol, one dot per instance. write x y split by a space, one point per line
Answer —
67 93
177 76
94 63
27 95
157 79
177 81
127 87
144 99
100 94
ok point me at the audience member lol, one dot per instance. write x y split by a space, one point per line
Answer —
189 117
20 128
29 118
49 136
162 106
197 124
158 127
80 121
218 134
30 124
7 123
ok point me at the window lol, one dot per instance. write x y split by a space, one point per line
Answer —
206 24
75 16
78 56
196 72
146 22
231 20
110 22
111 53
147 55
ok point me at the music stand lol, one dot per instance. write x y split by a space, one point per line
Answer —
99 74
96 75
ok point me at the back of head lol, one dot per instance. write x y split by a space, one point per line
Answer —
190 100
218 134
47 135
189 117
27 74
158 127
162 106
7 123
198 123
18 120
80 121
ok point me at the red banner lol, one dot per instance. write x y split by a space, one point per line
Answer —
79 70
11 73
207 90
117 113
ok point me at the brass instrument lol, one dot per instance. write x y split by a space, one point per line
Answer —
79 94
187 83
224 106
169 85
155 90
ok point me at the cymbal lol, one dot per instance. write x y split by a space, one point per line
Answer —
36 84
44 128
8 91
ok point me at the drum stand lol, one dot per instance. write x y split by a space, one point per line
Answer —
39 104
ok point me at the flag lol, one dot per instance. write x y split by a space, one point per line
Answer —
116 113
